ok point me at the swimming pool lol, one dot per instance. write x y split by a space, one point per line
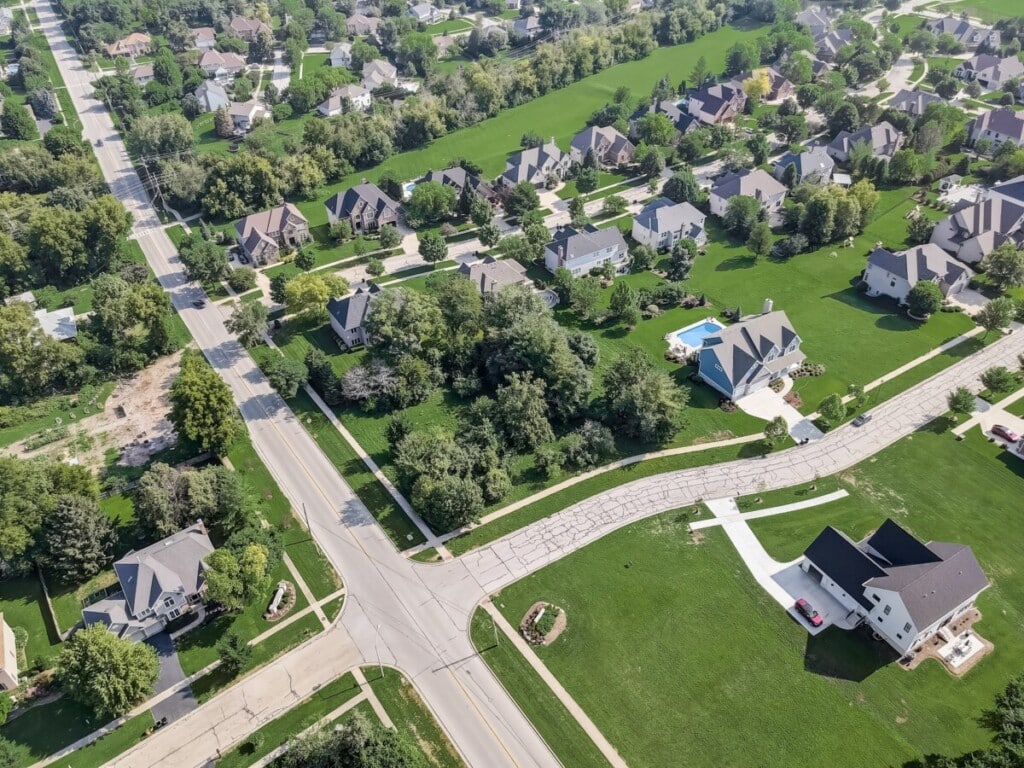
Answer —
693 336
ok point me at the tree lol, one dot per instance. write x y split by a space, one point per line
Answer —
1004 266
202 406
999 378
741 214
583 296
77 540
760 240
961 400
105 673
623 304
431 202
389 236
447 502
234 653
641 401
996 314
522 199
16 122
234 579
832 409
285 374
521 414
682 187
308 294
775 430
357 743
433 247
248 322
924 299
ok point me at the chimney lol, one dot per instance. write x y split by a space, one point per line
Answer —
767 306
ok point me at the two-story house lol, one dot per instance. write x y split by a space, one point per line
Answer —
365 206
581 250
904 589
158 584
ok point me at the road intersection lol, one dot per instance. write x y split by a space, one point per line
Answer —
398 612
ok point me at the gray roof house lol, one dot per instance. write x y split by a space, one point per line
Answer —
895 274
262 234
749 355
348 315
662 223
812 166
914 103
883 138
610 147
989 71
581 250
535 164
904 589
365 206
997 126
212 96
750 183
492 275
965 33
158 584
974 231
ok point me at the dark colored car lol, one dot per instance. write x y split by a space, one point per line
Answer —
1006 433
808 612
199 303
861 420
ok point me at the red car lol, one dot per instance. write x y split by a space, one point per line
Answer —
808 612
1006 433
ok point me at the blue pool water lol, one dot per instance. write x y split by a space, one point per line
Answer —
695 334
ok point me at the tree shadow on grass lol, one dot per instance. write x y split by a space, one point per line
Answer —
843 655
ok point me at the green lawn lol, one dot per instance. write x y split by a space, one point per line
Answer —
412 717
290 724
109 746
694 644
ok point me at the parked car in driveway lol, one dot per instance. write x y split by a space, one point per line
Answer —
808 612
1005 432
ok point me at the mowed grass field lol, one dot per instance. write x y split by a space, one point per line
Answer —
686 637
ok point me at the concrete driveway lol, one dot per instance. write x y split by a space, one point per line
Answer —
171 674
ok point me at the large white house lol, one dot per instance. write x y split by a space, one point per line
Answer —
906 590
894 274
581 250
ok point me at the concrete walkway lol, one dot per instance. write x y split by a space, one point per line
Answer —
538 666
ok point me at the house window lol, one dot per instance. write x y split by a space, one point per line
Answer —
887 610
906 627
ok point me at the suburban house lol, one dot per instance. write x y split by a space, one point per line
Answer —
756 184
715 103
965 33
60 324
204 38
426 13
355 95
894 274
379 73
135 44
826 46
581 250
904 589
158 584
535 164
989 71
244 114
914 103
974 231
492 275
997 126
262 235
142 74
341 55
212 96
661 224
348 315
365 206
221 66
883 138
8 657
779 88
458 177
247 29
527 28
610 147
813 166
750 354
359 25
816 22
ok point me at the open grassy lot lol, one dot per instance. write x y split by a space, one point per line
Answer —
411 716
694 644
109 746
